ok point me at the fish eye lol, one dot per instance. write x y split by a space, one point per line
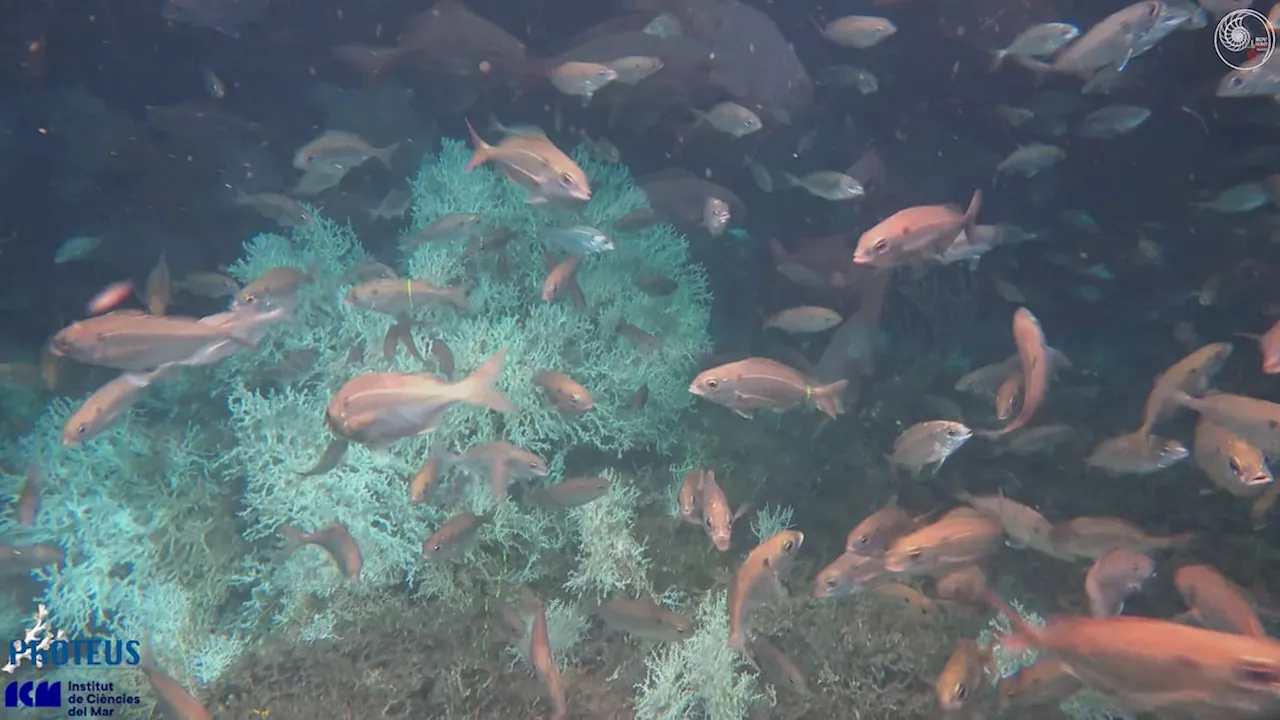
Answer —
788 546
961 692
707 521
566 179
831 582
881 245
533 465
712 384
915 553
1236 82
863 539
1234 464
81 429
249 299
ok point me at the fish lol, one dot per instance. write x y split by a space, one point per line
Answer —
1024 525
928 443
664 26
777 668
208 284
534 163
754 383
393 205
1255 421
394 296
213 85
954 540
963 676
135 341
1114 577
689 497
757 580
907 600
1242 198
848 574
339 152
828 185
172 700
1108 44
571 492
1231 463
963 585
378 408
581 79
876 532
225 16
1094 536
1215 602
916 233
1028 160
454 538
858 32
333 454
1269 346
27 506
803 319
717 518
633 69
109 297
715 216
843 76
545 664
1034 357
278 285
75 248
159 287
22 559
284 210
335 539
638 337
1142 662
1192 375
1112 121
503 462
1137 454
579 240
561 277
443 356
446 228
1047 682
567 394
1041 40
426 479
106 405
731 119
644 619
655 285
1009 396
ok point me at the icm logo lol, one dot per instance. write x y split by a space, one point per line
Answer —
33 695
1245 39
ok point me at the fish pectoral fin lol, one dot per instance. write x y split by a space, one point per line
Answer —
744 413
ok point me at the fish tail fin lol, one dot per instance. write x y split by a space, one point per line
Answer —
828 398
971 214
738 641
372 62
483 149
790 180
480 387
293 539
386 153
997 60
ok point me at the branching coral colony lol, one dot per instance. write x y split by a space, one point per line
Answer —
118 561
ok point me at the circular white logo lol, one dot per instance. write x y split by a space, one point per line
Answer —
1244 39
